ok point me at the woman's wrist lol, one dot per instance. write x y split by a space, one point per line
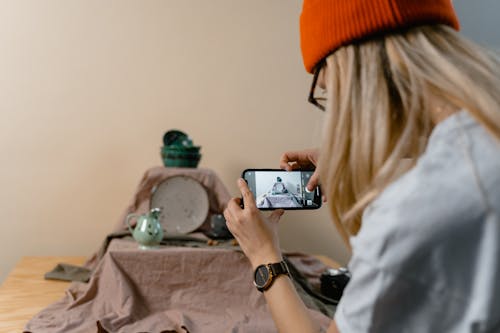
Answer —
269 257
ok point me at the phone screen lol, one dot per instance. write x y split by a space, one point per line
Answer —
279 189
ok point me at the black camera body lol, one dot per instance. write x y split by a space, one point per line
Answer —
333 282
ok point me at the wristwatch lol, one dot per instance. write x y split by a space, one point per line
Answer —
264 275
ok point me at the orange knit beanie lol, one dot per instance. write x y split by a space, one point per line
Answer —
325 25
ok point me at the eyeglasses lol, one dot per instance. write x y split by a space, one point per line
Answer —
320 101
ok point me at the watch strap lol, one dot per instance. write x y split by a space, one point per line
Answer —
279 268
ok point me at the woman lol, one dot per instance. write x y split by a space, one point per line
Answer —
410 161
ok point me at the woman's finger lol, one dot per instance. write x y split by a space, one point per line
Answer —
234 206
227 215
231 221
287 158
248 199
293 160
275 216
313 181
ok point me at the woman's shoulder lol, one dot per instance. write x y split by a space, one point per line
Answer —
434 234
451 189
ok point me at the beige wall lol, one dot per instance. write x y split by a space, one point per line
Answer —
87 89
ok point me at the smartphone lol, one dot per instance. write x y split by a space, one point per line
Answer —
280 189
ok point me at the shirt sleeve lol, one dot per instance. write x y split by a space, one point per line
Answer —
376 300
355 311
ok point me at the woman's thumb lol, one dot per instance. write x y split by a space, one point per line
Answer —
314 181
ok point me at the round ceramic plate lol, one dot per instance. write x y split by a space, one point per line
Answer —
183 202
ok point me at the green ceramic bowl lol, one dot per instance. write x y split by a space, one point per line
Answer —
169 161
181 155
179 151
192 149
176 137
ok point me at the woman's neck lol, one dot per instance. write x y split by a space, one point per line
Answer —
441 111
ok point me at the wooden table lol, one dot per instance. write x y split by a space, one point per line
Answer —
25 292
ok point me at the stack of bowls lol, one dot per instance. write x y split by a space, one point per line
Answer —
179 151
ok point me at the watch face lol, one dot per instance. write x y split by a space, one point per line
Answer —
261 276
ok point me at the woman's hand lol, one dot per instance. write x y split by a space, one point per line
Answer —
256 234
303 159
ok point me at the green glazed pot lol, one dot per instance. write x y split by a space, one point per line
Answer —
193 149
179 151
176 137
181 163
189 156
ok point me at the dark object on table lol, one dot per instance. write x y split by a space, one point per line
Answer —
218 227
68 272
179 151
333 282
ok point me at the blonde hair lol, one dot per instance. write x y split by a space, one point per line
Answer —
379 114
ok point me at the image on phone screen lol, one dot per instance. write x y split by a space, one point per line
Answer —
274 189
